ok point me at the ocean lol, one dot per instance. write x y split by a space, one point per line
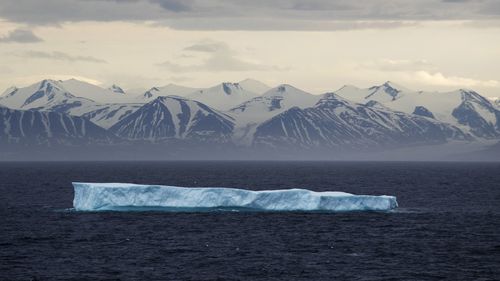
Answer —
447 226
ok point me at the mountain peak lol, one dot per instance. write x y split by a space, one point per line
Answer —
49 85
391 85
228 87
9 91
465 90
249 80
149 93
289 91
331 96
165 98
473 96
331 100
388 83
254 86
281 88
284 88
116 89
389 88
46 82
348 87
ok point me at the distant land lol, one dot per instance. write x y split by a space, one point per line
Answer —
75 120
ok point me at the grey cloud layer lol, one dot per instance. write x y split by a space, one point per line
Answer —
221 58
60 56
20 36
243 14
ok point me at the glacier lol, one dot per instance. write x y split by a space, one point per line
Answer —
130 197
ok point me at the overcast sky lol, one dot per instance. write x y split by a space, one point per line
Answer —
317 45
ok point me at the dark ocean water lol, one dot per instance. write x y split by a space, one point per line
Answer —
447 226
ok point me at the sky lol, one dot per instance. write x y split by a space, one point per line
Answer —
316 45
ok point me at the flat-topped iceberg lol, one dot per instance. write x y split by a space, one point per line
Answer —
124 196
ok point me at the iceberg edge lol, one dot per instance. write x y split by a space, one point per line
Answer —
136 197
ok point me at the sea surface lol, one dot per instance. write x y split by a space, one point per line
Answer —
447 226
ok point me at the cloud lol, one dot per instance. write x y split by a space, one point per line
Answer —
480 24
217 63
20 36
420 72
250 24
5 69
174 5
208 46
438 78
220 58
491 9
251 15
30 79
313 5
456 1
398 65
59 56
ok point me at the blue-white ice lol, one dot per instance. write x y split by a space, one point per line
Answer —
124 196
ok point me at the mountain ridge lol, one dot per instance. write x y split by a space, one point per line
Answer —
385 116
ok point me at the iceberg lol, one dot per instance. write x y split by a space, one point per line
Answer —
129 197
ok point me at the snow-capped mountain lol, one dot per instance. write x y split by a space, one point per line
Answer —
48 91
254 86
478 114
337 122
223 96
39 95
386 92
272 102
51 95
175 118
463 108
89 91
168 90
29 127
276 100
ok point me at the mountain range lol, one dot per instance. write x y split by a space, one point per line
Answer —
244 116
